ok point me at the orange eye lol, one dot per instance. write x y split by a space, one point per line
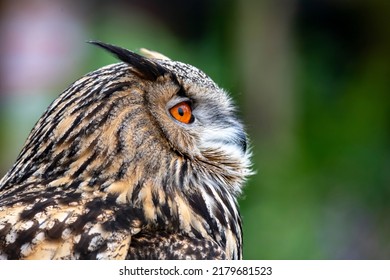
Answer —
182 112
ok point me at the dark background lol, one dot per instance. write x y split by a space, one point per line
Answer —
311 79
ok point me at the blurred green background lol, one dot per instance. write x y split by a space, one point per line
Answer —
311 79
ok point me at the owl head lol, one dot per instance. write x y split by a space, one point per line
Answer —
197 118
147 133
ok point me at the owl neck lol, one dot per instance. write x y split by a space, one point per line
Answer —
213 214
191 202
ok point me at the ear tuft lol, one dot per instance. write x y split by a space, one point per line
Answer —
153 54
142 66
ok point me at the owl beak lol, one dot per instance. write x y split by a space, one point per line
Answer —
242 141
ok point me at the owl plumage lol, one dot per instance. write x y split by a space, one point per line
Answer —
143 159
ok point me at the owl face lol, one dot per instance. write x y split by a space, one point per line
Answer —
147 147
199 120
196 117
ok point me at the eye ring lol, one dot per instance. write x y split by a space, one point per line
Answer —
182 112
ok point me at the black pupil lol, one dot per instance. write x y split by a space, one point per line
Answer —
180 111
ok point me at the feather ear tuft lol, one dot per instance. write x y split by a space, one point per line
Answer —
143 67
153 54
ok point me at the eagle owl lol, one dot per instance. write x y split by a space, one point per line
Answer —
143 159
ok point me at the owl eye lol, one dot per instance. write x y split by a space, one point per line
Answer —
182 112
